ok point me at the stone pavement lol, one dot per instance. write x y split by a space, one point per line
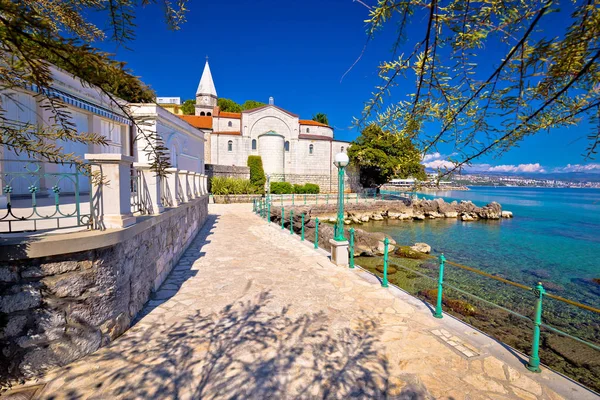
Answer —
250 312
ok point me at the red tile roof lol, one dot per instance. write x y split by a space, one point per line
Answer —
312 123
225 114
314 137
198 121
227 133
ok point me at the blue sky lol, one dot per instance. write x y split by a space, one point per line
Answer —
297 52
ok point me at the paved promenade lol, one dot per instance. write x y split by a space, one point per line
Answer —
250 312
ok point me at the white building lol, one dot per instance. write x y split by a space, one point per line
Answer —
90 110
292 149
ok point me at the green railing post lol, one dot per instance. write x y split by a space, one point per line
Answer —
269 210
281 200
302 234
386 243
438 304
305 199
253 205
291 222
327 198
317 233
356 197
282 217
316 199
534 360
351 248
292 198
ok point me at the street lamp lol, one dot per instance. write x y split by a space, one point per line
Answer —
339 244
341 161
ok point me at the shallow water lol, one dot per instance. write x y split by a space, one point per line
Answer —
553 237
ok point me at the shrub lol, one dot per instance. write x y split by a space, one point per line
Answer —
225 186
298 189
311 188
281 188
218 186
257 173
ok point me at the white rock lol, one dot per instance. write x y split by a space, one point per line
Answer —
507 214
451 214
421 248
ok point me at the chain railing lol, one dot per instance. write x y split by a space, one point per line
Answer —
39 197
537 293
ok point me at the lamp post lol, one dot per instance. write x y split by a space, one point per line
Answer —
339 244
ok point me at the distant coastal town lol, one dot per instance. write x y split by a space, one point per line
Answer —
497 180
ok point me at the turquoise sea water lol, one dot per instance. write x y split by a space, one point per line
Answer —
553 237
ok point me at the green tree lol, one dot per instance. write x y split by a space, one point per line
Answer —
34 33
251 104
228 105
544 72
188 107
257 173
382 155
320 117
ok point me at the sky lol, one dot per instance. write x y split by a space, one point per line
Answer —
298 52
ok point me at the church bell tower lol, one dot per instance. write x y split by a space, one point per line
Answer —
206 95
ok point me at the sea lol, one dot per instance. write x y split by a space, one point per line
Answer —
553 237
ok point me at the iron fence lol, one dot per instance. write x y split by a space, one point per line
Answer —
43 195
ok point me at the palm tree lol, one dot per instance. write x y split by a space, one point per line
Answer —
320 117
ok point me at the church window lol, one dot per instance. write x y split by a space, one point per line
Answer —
229 124
230 146
311 148
307 130
208 114
253 144
202 114
342 149
287 146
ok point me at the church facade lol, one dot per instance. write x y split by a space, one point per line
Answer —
292 149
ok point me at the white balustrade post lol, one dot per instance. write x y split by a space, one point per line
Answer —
194 183
199 183
150 190
205 184
112 196
173 186
183 185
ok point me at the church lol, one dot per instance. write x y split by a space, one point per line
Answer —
292 149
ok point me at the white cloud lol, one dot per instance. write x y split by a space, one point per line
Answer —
442 164
431 157
518 168
594 167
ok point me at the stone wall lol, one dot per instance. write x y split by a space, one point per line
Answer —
327 183
64 296
226 171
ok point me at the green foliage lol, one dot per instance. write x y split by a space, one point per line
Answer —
298 189
227 186
251 104
188 107
320 117
312 188
382 156
545 73
228 105
288 188
281 188
34 33
257 173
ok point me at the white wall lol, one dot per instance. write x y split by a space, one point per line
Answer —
222 124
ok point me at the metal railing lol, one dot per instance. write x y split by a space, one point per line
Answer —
538 292
43 195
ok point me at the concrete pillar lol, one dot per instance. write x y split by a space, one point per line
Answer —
339 252
112 198
183 186
201 184
205 184
190 185
172 186
150 190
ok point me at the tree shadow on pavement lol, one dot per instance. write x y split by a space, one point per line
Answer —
247 351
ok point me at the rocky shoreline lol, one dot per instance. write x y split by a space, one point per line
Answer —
419 210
